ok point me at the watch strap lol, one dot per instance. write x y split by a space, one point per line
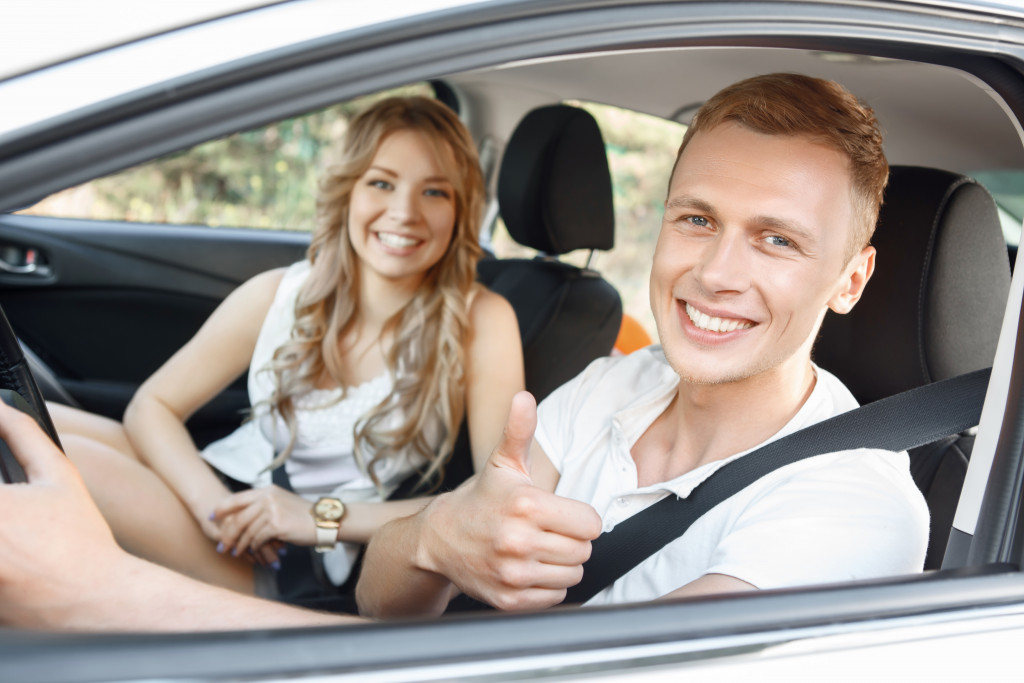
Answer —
326 538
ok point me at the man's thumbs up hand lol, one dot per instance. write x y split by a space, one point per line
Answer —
513 451
500 538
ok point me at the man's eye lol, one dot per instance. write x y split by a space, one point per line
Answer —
699 221
778 241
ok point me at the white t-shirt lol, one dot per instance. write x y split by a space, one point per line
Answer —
841 516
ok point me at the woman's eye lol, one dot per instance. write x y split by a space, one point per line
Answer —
381 184
437 192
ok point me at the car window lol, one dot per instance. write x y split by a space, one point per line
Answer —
641 150
1007 188
261 178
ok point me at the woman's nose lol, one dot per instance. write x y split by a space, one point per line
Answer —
404 206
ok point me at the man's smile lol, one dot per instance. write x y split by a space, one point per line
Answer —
709 323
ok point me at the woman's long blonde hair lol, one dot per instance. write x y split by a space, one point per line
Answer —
427 357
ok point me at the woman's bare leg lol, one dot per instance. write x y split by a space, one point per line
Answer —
70 420
148 520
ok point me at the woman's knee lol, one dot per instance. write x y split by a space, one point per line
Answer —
90 455
73 422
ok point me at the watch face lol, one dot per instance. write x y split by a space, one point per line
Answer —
329 509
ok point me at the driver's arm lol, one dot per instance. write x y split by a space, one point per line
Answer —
60 568
711 584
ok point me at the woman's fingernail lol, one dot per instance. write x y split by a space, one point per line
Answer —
275 565
220 547
213 516
282 551
234 553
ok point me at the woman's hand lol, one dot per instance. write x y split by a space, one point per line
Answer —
251 522
202 510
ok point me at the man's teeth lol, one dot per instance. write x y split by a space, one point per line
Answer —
389 239
712 324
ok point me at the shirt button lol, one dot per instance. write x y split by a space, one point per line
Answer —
621 502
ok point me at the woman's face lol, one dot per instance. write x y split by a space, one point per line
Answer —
402 210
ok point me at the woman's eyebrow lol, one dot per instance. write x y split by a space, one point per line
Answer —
431 179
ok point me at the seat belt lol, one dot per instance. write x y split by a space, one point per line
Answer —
896 423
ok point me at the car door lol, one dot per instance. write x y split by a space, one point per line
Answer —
103 303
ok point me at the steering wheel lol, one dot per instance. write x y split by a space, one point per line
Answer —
19 390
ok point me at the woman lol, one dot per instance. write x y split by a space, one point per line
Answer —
362 361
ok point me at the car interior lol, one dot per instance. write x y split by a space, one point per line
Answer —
941 264
129 292
100 284
555 196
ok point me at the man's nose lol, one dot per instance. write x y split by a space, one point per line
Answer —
725 266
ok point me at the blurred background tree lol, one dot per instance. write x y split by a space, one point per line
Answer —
268 177
263 178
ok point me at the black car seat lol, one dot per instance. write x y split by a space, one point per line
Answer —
555 196
932 310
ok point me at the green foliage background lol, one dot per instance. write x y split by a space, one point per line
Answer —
267 178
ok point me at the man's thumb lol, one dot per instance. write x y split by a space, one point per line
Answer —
513 451
31 447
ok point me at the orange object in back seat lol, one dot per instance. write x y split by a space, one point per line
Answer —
632 336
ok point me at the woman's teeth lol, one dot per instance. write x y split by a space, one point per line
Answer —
389 239
704 321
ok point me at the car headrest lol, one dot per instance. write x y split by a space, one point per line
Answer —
934 307
554 188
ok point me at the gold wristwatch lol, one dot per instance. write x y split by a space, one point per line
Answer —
327 514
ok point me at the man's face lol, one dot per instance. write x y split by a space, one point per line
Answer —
751 254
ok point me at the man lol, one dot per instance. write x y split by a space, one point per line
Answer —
769 212
770 209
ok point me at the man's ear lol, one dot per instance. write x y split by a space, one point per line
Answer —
855 277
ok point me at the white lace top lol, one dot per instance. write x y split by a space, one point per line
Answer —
323 460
